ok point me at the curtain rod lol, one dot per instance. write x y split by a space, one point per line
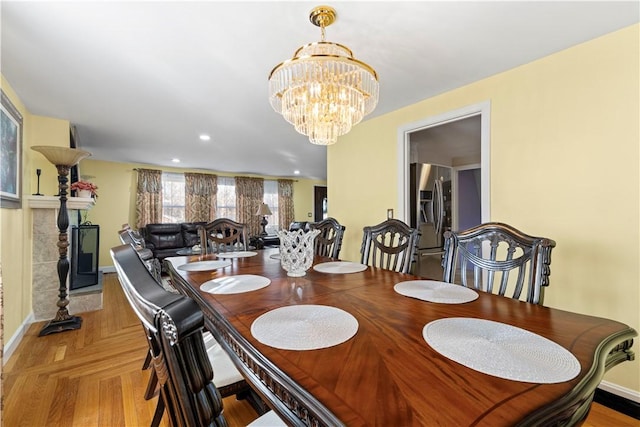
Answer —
242 176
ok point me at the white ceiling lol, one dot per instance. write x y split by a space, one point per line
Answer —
141 80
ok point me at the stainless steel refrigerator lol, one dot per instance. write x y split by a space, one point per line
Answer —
430 204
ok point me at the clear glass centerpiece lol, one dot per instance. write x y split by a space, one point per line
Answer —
296 251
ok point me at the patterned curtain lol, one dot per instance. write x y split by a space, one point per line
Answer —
286 213
249 195
149 197
200 197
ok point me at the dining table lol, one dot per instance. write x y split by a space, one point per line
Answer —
355 345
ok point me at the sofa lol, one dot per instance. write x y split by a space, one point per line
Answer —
165 240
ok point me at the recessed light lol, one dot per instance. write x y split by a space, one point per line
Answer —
175 160
296 172
205 137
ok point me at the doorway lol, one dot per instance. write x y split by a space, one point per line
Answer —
319 203
458 140
405 132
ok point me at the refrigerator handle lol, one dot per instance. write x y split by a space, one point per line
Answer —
433 211
438 206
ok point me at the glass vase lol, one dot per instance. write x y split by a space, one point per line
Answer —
296 251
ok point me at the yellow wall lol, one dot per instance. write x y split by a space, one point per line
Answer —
303 203
564 164
116 198
16 234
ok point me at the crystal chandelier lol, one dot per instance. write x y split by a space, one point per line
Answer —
323 91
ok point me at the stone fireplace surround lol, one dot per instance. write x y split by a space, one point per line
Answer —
45 255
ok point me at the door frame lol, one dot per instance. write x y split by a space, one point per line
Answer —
483 109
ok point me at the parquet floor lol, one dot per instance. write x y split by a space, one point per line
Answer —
93 376
88 377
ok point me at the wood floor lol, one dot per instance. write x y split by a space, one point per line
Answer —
93 376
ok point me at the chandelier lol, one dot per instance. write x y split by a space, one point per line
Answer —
323 91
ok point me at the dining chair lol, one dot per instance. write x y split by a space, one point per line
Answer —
485 255
146 256
222 235
186 390
130 237
391 245
329 242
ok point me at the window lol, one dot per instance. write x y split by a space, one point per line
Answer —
172 197
226 198
271 199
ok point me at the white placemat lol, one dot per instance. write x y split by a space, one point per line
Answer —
235 284
304 327
204 265
275 256
240 254
434 291
501 350
340 267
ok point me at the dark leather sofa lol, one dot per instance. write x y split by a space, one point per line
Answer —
300 225
166 240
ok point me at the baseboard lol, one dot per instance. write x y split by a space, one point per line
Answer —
619 399
108 269
11 345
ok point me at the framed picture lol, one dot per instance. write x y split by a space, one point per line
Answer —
11 155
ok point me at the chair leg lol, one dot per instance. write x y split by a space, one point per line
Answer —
157 415
147 361
254 400
151 387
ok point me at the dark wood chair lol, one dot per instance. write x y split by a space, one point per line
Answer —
153 265
484 256
329 242
181 359
130 237
222 235
391 245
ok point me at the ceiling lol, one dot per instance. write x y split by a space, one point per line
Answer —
142 80
454 143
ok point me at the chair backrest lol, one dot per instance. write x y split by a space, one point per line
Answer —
222 235
391 245
174 325
329 242
125 236
489 252
128 237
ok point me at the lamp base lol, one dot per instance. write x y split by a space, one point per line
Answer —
263 223
54 326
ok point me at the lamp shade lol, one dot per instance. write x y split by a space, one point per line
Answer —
61 156
264 210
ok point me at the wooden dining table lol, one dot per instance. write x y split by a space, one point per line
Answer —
387 374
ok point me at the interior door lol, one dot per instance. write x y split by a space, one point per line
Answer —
468 204
319 203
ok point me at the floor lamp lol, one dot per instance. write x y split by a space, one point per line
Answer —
63 158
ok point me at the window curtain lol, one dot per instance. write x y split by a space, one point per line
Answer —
249 195
149 197
286 213
200 197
